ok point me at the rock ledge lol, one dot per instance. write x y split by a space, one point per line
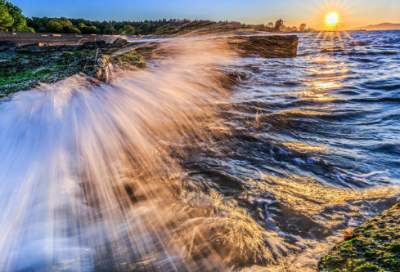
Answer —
374 246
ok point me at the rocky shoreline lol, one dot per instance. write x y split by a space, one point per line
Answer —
25 67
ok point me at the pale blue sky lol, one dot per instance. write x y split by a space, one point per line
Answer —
352 12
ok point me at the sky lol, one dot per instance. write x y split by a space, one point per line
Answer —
352 13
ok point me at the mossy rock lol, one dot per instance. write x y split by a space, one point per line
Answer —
376 248
23 68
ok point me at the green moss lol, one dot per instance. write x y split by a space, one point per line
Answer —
377 248
369 226
370 254
380 236
131 59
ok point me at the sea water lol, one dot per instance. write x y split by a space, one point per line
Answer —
169 170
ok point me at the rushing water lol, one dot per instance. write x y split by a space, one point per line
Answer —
167 170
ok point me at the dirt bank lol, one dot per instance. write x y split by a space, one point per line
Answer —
68 39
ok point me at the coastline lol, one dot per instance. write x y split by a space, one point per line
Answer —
333 259
24 67
30 59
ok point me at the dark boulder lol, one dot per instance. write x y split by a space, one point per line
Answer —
120 43
7 43
97 44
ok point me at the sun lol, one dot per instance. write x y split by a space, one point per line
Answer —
332 19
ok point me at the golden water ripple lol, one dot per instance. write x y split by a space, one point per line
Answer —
303 147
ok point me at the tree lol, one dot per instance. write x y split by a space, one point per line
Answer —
129 30
109 28
16 14
6 20
42 29
279 25
88 29
65 22
62 25
71 29
39 24
270 25
25 28
294 29
302 27
11 18
55 26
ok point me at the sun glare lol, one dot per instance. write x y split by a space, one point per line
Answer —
332 19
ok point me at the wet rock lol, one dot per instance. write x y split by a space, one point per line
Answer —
274 46
120 43
5 46
24 67
45 48
374 246
229 79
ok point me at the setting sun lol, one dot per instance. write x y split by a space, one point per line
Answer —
332 19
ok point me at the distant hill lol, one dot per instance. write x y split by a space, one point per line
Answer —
384 26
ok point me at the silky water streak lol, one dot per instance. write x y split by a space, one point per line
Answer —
87 182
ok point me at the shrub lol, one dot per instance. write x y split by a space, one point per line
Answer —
55 26
25 28
89 30
42 29
6 20
71 29
129 30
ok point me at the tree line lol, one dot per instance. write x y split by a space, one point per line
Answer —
64 25
11 18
